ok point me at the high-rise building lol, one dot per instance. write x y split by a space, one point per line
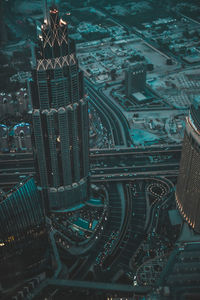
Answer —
20 211
23 235
135 79
60 117
188 185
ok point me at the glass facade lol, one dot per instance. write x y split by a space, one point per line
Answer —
20 212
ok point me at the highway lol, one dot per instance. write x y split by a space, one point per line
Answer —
115 165
9 179
133 157
27 157
119 117
117 122
130 150
107 120
135 169
111 166
25 160
108 124
129 176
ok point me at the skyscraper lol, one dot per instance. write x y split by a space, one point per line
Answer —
20 211
188 185
60 117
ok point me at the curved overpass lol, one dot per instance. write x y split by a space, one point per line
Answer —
120 127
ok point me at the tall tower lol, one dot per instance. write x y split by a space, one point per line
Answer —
188 185
60 118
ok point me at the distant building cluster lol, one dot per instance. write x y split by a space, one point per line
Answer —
85 27
106 62
20 77
13 104
15 138
166 32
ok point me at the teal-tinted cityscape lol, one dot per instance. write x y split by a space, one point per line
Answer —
99 150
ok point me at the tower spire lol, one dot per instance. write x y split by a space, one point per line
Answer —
46 5
45 10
